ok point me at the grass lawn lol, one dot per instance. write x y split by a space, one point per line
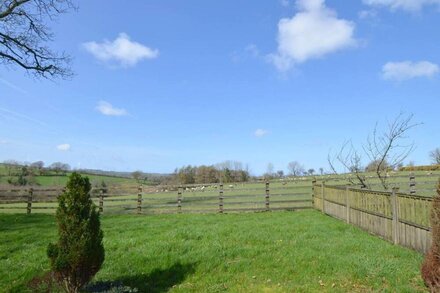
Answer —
299 251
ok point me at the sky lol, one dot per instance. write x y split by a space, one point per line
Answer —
161 84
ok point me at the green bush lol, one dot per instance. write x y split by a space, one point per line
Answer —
79 252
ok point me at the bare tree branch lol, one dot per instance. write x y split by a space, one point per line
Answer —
23 34
385 151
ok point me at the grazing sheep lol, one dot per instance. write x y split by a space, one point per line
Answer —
231 186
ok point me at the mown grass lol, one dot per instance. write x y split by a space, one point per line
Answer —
302 251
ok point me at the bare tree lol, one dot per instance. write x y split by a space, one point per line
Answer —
137 175
435 156
24 34
351 161
60 167
38 166
388 149
280 173
295 168
11 166
269 171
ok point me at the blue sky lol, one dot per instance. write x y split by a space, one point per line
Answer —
161 84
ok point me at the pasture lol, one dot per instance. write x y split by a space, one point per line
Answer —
301 251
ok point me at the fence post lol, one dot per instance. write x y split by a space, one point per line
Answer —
267 196
313 192
220 198
101 200
29 201
139 200
347 204
179 199
412 183
323 196
395 210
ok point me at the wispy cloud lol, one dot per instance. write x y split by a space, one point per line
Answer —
63 147
405 70
407 5
260 132
311 33
12 86
19 116
121 50
108 109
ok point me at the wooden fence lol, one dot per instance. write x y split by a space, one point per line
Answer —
175 199
397 217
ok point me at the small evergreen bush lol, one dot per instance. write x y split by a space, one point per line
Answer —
79 252
431 264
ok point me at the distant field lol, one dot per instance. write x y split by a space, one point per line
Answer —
54 180
302 251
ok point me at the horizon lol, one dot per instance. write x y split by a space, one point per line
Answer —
167 84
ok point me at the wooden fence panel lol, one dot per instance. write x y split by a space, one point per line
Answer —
397 217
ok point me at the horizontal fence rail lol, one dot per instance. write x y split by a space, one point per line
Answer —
397 217
171 199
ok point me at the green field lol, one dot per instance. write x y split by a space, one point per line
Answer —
301 251
60 180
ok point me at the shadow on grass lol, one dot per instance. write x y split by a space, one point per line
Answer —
159 280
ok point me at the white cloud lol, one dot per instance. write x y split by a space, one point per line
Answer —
260 132
408 5
311 33
63 147
122 50
4 141
107 109
406 70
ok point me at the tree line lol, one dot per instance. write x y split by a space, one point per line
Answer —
228 171
21 174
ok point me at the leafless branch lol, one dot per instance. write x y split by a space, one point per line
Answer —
23 34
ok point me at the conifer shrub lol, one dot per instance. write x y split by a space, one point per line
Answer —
79 252
431 264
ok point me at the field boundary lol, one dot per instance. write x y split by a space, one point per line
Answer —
206 198
400 218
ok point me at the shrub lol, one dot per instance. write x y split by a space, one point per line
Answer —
79 253
431 264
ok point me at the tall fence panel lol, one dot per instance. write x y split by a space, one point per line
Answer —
397 217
